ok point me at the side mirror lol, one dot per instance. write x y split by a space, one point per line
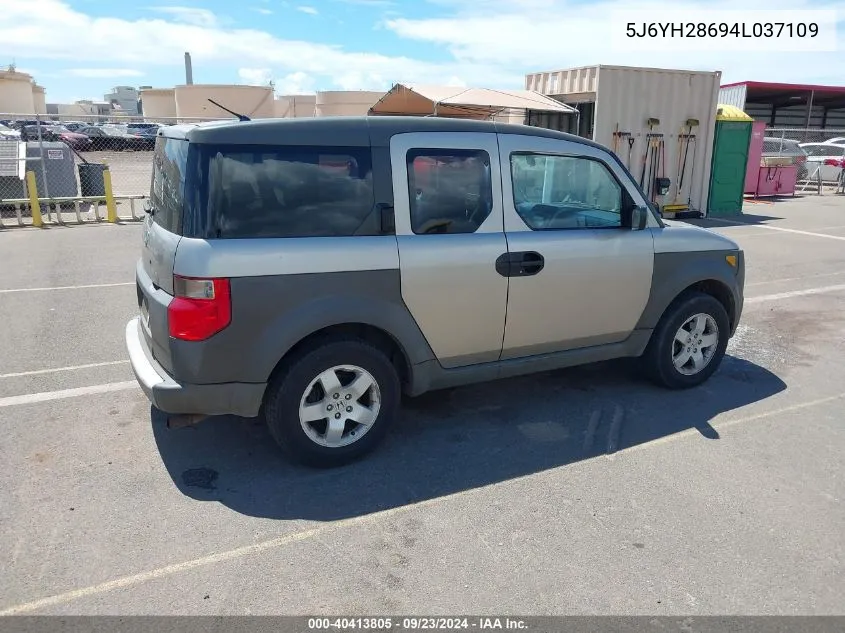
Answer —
639 218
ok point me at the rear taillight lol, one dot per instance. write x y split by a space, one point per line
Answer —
200 308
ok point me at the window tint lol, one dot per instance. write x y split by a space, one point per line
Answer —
168 186
450 190
291 192
566 192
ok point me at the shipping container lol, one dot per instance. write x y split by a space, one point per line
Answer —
625 98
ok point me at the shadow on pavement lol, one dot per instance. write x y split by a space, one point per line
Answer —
454 440
745 218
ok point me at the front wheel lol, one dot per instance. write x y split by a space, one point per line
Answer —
334 403
689 342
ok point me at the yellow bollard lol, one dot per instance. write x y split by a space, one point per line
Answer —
34 205
111 206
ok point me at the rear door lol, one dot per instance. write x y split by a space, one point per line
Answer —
448 209
584 278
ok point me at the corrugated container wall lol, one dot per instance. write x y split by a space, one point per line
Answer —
630 96
571 82
733 95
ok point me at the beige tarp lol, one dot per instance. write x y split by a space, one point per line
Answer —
471 103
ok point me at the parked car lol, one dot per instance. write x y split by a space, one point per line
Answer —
147 133
7 133
818 154
776 146
391 250
30 133
75 126
18 124
109 138
77 141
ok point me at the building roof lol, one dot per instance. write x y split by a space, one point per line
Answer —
783 94
470 103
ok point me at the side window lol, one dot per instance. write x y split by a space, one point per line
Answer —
291 192
168 182
812 150
450 190
567 192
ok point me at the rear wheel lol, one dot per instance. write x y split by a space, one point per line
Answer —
333 403
689 342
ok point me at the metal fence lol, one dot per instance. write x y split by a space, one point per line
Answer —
819 153
68 157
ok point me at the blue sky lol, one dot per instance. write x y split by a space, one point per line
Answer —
81 48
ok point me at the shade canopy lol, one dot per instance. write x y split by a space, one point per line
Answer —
470 103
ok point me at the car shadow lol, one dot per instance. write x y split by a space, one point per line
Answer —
454 440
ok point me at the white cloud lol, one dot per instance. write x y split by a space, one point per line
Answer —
369 3
255 76
189 15
151 43
262 11
487 43
97 73
308 10
296 84
538 35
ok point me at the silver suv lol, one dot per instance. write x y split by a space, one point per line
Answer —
311 271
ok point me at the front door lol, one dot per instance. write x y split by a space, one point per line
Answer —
449 228
582 277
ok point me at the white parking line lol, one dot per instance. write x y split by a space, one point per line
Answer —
779 228
44 396
304 535
723 425
780 281
37 372
124 283
795 293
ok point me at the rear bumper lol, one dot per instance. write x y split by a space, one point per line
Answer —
170 396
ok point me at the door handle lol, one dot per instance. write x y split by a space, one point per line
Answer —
519 264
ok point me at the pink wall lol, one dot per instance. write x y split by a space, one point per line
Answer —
755 153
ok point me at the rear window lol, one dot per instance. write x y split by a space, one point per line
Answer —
167 194
290 192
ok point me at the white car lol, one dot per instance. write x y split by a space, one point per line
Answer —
818 153
7 133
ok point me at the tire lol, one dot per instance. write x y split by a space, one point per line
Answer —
299 383
662 351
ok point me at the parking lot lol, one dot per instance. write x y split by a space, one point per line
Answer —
584 491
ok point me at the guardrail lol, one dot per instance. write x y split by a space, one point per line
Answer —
33 205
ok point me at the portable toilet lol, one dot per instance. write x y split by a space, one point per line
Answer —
730 160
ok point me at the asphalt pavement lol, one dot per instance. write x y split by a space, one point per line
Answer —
584 491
